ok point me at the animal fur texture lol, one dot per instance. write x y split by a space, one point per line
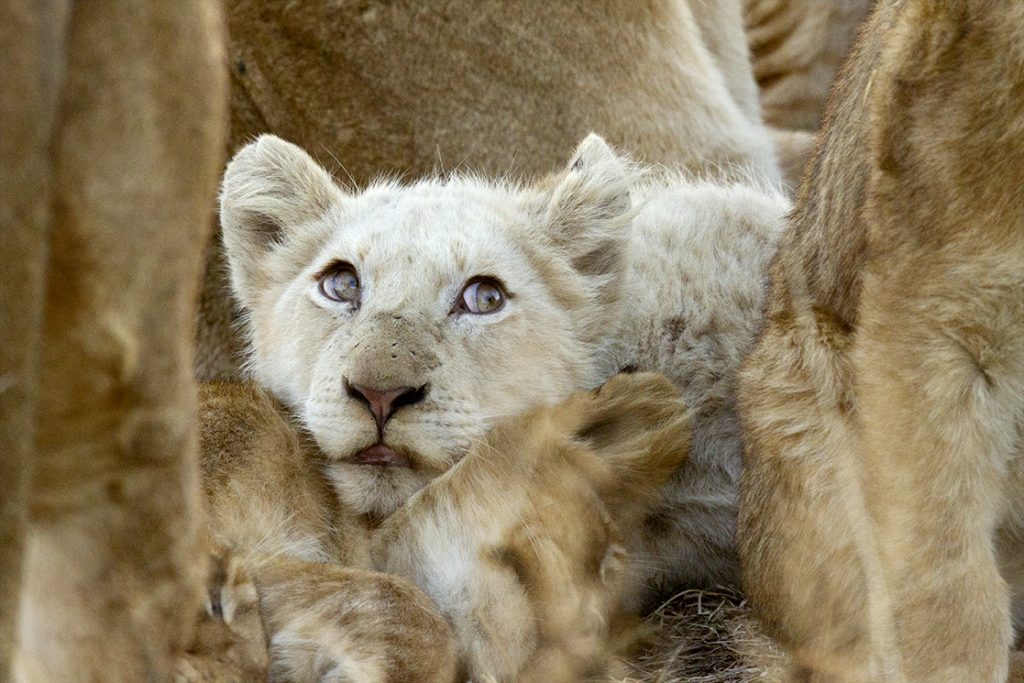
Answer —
274 520
112 130
414 86
883 492
520 546
797 47
603 270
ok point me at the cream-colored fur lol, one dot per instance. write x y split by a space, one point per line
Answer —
412 86
603 270
882 516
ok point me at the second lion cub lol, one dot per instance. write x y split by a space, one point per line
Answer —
520 545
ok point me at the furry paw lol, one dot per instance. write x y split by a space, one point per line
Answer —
230 642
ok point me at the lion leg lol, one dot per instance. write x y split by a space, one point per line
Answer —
940 352
801 534
940 418
30 42
111 571
1010 542
331 623
1011 552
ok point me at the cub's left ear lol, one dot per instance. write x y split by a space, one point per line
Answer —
589 207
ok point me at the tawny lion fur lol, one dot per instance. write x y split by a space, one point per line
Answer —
882 515
520 546
797 47
279 530
112 126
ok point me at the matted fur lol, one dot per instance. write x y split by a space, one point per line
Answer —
883 491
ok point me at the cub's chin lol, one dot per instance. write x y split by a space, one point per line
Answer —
374 490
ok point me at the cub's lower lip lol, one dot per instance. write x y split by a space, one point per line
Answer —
379 455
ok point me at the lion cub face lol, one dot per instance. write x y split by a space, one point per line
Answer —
398 323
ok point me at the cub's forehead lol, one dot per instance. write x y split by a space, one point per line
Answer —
431 206
457 220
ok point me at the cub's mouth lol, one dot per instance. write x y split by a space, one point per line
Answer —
380 455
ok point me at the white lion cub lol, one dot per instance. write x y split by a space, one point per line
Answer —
399 322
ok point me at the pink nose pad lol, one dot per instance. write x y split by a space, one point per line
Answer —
383 403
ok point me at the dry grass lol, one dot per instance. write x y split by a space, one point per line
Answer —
705 636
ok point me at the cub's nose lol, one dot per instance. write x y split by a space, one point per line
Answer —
382 403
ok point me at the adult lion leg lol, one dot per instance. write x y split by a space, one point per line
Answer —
940 353
112 568
1010 541
938 433
802 533
909 233
31 45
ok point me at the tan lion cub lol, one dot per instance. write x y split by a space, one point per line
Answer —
520 545
274 519
882 514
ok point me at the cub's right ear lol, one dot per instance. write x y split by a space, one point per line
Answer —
271 189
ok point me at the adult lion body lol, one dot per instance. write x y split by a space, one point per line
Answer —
882 512
112 128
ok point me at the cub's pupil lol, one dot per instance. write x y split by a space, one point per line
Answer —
487 297
343 285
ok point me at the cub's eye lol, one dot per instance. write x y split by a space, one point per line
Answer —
340 283
482 295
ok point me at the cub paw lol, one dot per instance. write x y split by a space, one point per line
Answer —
230 641
637 423
629 405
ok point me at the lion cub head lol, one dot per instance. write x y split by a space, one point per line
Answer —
399 322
